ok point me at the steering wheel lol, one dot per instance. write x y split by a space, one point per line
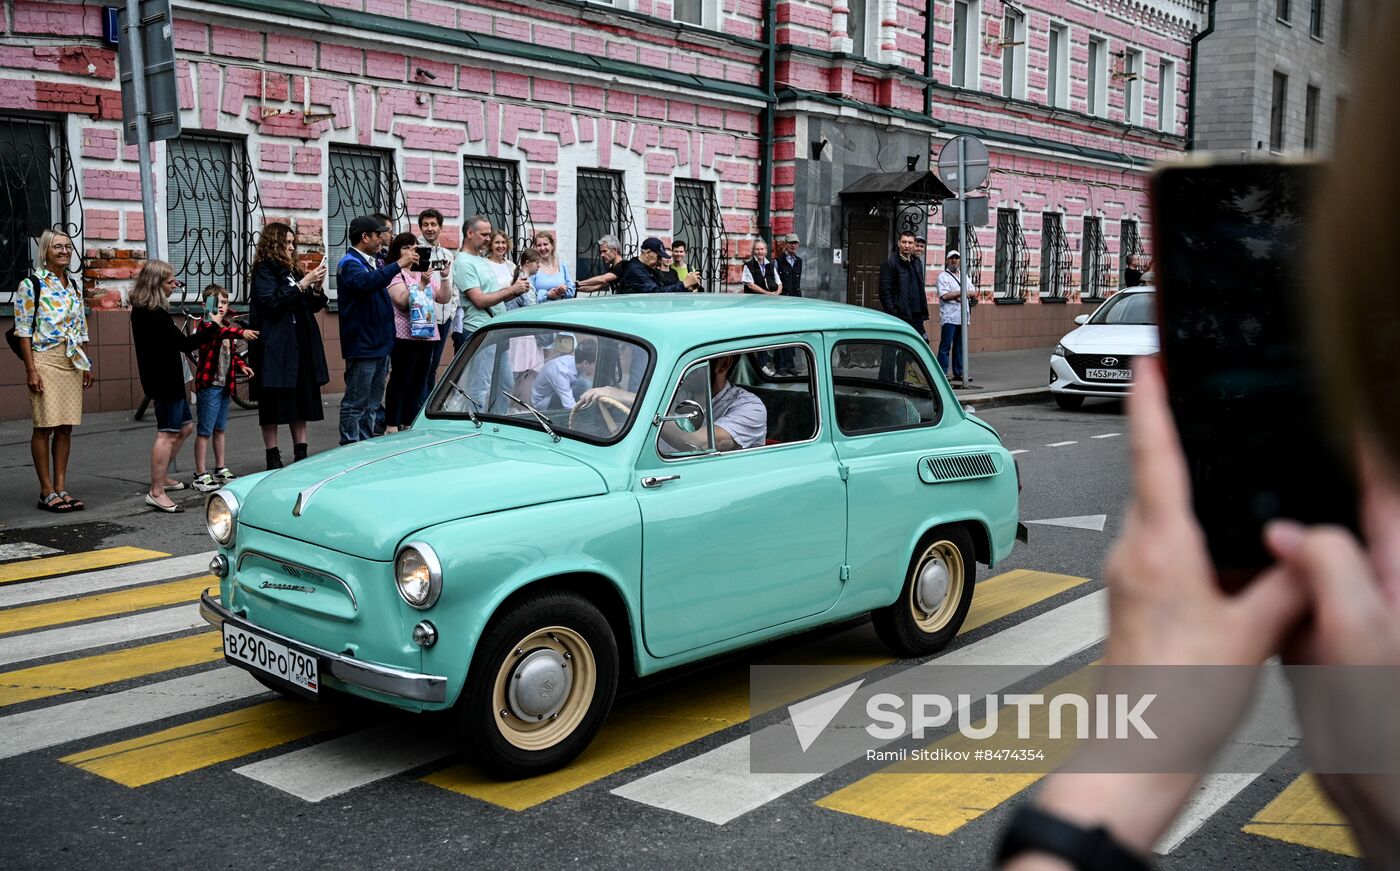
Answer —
603 403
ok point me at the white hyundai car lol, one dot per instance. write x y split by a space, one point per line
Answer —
1096 358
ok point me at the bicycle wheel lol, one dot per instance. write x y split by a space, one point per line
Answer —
242 390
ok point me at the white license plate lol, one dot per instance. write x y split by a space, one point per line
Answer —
1109 374
272 658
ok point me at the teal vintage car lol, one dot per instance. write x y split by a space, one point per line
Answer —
602 489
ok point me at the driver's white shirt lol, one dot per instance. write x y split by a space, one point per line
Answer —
741 414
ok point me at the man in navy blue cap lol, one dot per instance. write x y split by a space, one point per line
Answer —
642 274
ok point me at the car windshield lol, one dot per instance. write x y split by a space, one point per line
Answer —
525 373
1128 308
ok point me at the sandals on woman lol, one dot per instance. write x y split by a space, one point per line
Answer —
73 504
54 503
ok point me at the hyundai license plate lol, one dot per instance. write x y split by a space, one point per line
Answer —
1109 374
272 658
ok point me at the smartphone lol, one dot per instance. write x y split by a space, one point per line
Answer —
1230 269
425 257
211 305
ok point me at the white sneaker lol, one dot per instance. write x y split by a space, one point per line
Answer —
769 371
224 474
206 482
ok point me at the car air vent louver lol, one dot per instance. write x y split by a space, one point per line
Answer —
958 467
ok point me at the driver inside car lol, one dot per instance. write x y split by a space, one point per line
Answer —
740 418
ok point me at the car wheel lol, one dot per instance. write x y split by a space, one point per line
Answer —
539 687
1068 401
936 595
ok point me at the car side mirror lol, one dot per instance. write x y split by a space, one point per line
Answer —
689 416
1081 320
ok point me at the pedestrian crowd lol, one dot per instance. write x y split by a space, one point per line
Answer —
401 297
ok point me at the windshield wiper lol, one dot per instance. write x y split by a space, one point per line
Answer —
539 415
471 414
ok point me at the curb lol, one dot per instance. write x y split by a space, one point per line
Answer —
996 399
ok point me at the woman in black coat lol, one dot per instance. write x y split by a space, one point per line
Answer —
289 360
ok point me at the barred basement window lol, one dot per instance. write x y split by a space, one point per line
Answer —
1095 262
210 215
1129 245
38 190
603 210
492 188
1055 258
697 223
361 182
1013 260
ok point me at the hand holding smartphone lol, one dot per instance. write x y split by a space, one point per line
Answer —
1247 399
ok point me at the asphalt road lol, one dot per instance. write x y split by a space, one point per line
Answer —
92 771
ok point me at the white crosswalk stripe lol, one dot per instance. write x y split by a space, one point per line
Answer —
71 721
107 579
717 786
24 550
340 765
74 639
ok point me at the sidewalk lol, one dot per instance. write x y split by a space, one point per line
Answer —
110 463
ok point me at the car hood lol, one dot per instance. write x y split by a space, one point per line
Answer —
1128 340
363 499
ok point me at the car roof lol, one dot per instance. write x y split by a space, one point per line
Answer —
684 320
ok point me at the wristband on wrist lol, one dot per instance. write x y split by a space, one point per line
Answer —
1033 830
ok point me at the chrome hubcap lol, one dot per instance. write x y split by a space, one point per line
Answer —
539 685
931 588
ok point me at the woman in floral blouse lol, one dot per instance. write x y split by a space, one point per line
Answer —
52 328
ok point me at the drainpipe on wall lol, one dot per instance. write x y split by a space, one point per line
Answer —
1191 86
765 132
928 59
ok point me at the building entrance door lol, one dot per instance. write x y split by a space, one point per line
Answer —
870 247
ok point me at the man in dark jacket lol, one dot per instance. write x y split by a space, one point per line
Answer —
902 295
790 266
366 325
644 274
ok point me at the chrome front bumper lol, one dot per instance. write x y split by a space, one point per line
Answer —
377 678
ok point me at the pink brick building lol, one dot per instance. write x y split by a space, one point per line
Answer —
712 120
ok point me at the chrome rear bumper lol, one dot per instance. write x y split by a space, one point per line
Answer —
406 685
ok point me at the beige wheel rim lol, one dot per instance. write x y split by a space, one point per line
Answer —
547 710
936 586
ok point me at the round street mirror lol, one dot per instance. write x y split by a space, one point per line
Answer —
975 162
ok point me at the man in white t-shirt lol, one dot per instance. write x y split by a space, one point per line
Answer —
952 284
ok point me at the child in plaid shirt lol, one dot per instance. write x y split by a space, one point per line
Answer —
213 384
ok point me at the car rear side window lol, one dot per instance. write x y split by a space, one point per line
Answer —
881 386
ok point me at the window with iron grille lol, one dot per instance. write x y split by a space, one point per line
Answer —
1013 260
210 214
602 210
492 188
971 256
1055 258
1129 246
1096 263
697 223
360 182
38 191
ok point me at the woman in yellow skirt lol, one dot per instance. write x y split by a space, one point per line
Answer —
51 325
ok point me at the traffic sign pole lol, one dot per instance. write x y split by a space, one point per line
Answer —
963 265
134 36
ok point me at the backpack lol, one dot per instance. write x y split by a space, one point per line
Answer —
10 338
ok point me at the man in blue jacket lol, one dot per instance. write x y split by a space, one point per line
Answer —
366 324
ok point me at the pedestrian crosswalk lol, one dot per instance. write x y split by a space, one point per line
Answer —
106 665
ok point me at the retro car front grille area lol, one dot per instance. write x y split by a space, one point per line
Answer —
961 467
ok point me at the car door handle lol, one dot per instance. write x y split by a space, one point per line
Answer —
652 481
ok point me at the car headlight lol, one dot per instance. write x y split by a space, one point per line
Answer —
1058 352
418 574
221 517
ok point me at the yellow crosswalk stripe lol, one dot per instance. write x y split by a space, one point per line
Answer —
674 718
939 803
182 749
1302 814
74 562
104 604
43 681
